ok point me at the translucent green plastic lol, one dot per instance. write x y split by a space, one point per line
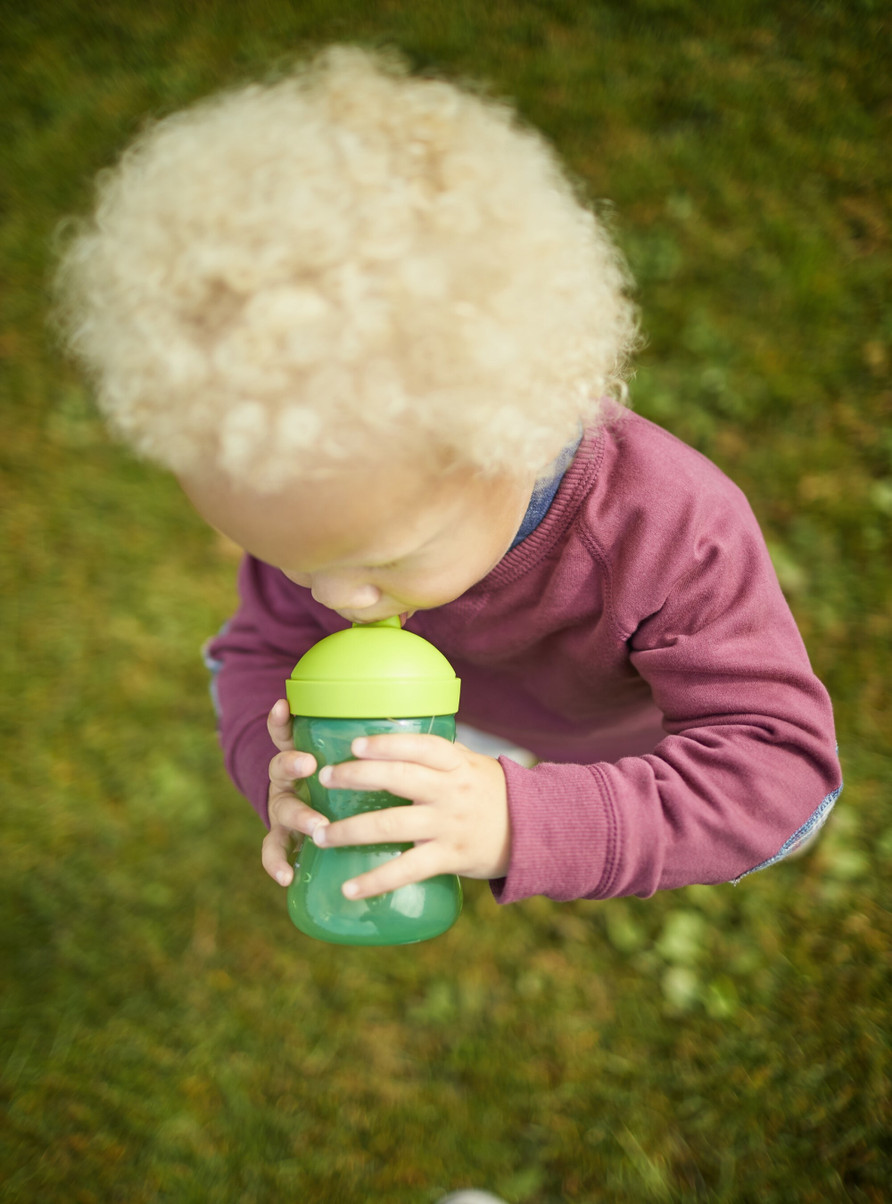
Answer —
315 903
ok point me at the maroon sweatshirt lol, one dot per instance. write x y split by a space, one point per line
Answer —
637 641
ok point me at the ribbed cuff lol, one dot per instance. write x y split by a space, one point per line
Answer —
563 833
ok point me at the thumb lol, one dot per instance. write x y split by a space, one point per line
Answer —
278 725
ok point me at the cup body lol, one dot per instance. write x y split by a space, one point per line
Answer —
316 904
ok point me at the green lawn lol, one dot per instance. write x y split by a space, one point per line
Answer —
167 1036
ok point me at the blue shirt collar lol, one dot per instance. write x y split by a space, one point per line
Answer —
544 493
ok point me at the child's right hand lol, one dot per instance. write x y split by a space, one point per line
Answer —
288 814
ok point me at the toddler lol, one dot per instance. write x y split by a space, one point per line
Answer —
380 340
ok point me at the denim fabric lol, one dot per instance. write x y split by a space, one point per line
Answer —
213 666
800 837
543 494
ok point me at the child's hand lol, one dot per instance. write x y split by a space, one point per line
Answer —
287 813
459 822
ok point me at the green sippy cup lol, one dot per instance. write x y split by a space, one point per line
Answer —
369 679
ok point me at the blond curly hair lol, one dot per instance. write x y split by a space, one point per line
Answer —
282 276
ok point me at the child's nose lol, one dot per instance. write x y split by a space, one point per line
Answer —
339 594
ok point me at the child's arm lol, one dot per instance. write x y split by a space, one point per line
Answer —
748 766
276 622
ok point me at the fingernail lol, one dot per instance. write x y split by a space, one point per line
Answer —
320 834
325 775
350 889
283 877
359 746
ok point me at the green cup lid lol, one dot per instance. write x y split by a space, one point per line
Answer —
373 671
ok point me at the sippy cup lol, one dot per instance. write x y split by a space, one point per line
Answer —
367 680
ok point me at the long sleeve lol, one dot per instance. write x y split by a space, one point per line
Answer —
276 622
748 760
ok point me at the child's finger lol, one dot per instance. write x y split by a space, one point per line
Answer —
287 816
275 854
393 825
405 779
415 865
288 813
278 724
292 813
288 766
433 751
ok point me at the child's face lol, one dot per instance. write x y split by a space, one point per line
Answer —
375 541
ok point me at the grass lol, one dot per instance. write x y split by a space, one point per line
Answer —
166 1035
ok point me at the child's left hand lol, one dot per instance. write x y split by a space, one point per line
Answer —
459 822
